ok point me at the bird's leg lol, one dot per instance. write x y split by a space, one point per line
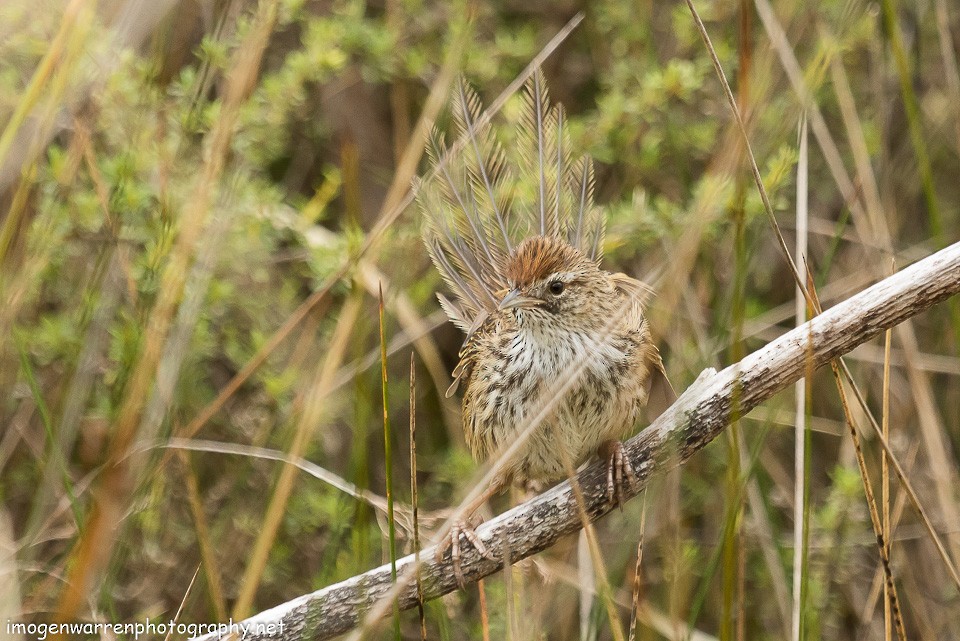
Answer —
451 540
620 475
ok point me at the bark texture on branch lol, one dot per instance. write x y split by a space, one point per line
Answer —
697 417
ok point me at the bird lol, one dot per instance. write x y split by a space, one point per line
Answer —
558 357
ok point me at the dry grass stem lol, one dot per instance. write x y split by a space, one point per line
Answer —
414 502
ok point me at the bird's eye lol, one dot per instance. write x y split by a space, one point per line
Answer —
556 287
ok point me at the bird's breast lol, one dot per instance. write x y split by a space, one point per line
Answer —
524 369
577 388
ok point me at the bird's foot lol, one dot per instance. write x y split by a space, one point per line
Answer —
620 475
452 542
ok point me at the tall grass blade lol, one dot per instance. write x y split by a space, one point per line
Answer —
414 502
801 514
388 461
183 602
885 480
484 612
635 596
202 527
890 585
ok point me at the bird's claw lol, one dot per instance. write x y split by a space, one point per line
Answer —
620 475
452 542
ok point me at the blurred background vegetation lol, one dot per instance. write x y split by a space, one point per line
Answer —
193 207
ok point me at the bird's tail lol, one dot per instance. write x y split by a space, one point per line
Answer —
497 187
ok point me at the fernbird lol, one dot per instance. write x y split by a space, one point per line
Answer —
558 354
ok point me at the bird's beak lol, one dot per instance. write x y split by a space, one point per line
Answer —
515 299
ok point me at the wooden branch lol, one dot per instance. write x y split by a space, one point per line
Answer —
699 415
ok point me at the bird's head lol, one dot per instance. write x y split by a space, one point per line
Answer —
550 282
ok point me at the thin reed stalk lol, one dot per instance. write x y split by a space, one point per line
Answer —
414 500
801 453
635 593
885 484
388 459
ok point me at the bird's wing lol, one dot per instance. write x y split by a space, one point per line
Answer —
468 352
635 290
660 392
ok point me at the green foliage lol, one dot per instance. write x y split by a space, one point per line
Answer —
96 219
